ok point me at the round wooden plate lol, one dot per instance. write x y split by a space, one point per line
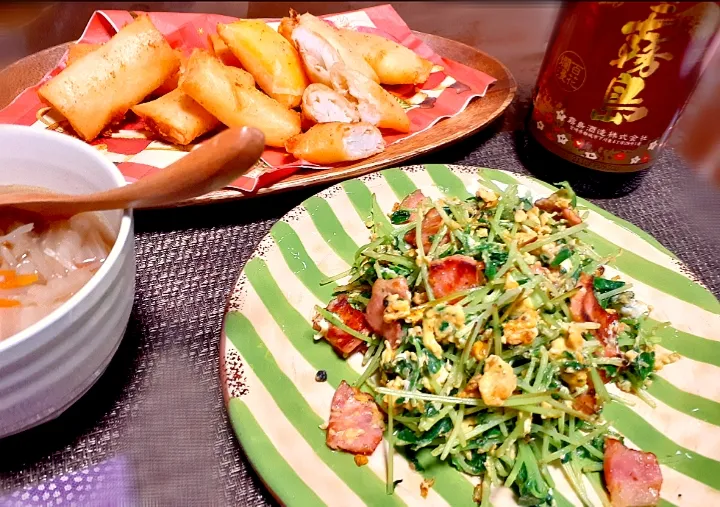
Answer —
479 113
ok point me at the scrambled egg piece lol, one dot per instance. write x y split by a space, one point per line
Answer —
557 348
576 380
399 384
523 329
498 381
425 486
480 350
388 355
420 298
520 216
573 342
440 377
428 336
488 196
510 283
534 214
361 460
454 318
441 326
396 308
663 357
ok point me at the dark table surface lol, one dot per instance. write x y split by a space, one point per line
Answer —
153 430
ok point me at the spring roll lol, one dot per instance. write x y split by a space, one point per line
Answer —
394 64
272 60
216 87
79 49
176 117
322 104
375 104
222 51
329 143
321 46
100 87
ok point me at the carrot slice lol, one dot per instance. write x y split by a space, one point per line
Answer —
8 303
14 281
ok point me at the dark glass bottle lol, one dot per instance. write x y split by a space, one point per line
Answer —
615 79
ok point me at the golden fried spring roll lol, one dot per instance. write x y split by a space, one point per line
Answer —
176 117
394 64
212 86
272 60
328 143
100 87
79 49
222 51
375 104
312 36
322 104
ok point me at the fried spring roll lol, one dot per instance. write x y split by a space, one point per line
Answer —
222 51
272 60
100 87
216 87
321 46
322 104
375 104
328 143
176 117
79 49
394 64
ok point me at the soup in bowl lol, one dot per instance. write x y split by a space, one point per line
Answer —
66 286
44 263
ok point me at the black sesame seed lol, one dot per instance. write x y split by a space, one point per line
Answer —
321 376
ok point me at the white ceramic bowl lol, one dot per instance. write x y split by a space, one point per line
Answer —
48 366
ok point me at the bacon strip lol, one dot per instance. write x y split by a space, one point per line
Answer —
453 274
391 331
633 477
353 318
356 424
431 224
584 307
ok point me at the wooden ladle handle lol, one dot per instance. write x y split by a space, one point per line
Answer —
211 166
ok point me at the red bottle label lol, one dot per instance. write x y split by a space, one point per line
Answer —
617 77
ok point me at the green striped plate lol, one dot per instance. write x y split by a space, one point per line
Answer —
269 358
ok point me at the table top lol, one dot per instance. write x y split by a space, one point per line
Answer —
154 427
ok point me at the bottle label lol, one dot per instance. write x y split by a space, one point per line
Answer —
616 79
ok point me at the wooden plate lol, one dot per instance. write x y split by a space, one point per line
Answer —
479 113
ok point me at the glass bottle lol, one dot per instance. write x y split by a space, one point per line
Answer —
615 78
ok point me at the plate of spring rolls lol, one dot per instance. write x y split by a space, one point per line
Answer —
333 101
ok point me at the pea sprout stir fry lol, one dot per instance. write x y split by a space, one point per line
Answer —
494 338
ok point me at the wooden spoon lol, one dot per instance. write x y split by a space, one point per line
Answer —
209 167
